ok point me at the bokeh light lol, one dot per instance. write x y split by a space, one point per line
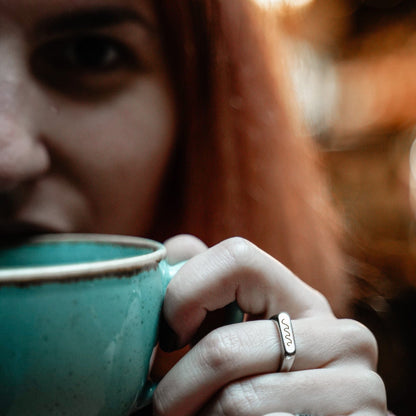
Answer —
283 3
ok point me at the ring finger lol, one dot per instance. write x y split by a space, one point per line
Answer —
251 348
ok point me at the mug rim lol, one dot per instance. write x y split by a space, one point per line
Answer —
89 269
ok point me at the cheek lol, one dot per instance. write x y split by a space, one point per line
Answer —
116 153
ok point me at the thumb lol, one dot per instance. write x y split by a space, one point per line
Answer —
183 247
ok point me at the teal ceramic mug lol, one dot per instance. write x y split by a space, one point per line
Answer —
79 318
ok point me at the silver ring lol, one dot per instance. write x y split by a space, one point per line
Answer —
285 330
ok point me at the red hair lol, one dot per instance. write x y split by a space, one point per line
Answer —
242 167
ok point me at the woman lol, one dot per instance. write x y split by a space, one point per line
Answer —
160 117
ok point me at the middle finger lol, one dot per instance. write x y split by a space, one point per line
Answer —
246 349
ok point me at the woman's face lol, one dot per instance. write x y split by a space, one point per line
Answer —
87 116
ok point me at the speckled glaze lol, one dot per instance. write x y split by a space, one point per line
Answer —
77 338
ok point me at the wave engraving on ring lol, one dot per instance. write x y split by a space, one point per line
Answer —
286 333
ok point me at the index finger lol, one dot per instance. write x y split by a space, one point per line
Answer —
236 270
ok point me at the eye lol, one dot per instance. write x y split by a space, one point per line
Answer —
86 53
84 64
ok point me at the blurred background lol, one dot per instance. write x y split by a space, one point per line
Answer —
353 64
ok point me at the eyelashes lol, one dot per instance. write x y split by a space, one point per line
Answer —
84 64
84 53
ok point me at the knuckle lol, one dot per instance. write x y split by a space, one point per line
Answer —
360 340
374 379
365 388
372 384
238 248
220 350
379 390
238 398
320 301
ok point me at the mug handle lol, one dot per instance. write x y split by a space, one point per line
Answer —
232 312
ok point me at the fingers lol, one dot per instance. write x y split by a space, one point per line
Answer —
236 270
279 414
324 392
183 247
233 369
253 348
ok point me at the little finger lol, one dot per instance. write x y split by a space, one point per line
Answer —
323 392
252 348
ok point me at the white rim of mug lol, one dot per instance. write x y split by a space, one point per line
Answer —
85 270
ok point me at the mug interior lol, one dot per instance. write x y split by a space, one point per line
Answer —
67 255
66 252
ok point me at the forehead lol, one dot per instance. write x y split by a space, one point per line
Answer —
28 12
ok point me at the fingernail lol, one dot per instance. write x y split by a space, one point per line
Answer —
168 340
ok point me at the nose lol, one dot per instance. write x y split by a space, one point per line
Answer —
23 156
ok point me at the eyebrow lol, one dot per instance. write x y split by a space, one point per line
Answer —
91 19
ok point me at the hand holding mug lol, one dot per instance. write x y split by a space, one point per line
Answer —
80 335
234 370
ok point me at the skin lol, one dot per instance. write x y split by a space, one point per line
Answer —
75 157
233 370
45 121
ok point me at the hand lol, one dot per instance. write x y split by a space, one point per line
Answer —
233 370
